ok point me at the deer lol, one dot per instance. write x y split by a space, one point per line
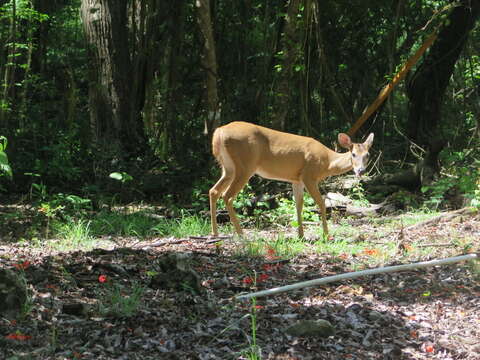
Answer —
244 149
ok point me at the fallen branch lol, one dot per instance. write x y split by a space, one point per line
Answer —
356 274
172 241
435 245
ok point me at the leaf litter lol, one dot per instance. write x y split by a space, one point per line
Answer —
426 314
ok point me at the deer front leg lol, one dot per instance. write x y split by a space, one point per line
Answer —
312 188
298 196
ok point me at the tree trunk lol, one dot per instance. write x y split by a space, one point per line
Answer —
291 48
427 86
172 109
9 70
113 95
326 65
209 63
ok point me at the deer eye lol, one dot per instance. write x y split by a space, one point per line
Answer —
354 155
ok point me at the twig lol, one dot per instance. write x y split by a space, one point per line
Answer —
210 237
169 241
356 274
435 245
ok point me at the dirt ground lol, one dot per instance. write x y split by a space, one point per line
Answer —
431 313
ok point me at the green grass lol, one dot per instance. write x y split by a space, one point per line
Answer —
280 246
183 227
115 223
253 351
74 235
143 225
83 234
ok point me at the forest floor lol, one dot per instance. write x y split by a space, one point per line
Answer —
101 304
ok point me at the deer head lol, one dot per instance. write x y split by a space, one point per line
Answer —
360 155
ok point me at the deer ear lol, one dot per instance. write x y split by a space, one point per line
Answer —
345 141
369 141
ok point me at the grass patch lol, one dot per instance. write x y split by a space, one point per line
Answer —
136 224
183 227
280 246
73 236
143 225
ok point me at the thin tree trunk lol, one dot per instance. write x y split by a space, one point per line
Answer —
209 63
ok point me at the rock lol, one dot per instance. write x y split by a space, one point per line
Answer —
13 293
336 200
311 328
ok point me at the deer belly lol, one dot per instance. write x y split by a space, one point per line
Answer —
277 174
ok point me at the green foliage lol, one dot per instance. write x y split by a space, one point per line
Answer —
5 168
24 11
200 200
253 352
48 112
357 194
437 191
286 213
123 177
462 179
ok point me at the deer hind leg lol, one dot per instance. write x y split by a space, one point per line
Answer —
215 192
298 195
312 188
241 178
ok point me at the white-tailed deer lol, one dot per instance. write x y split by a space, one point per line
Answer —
243 149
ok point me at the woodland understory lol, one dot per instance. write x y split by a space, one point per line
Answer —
107 113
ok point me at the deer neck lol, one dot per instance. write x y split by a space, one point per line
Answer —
340 163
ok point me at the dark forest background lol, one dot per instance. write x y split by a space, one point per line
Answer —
136 88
